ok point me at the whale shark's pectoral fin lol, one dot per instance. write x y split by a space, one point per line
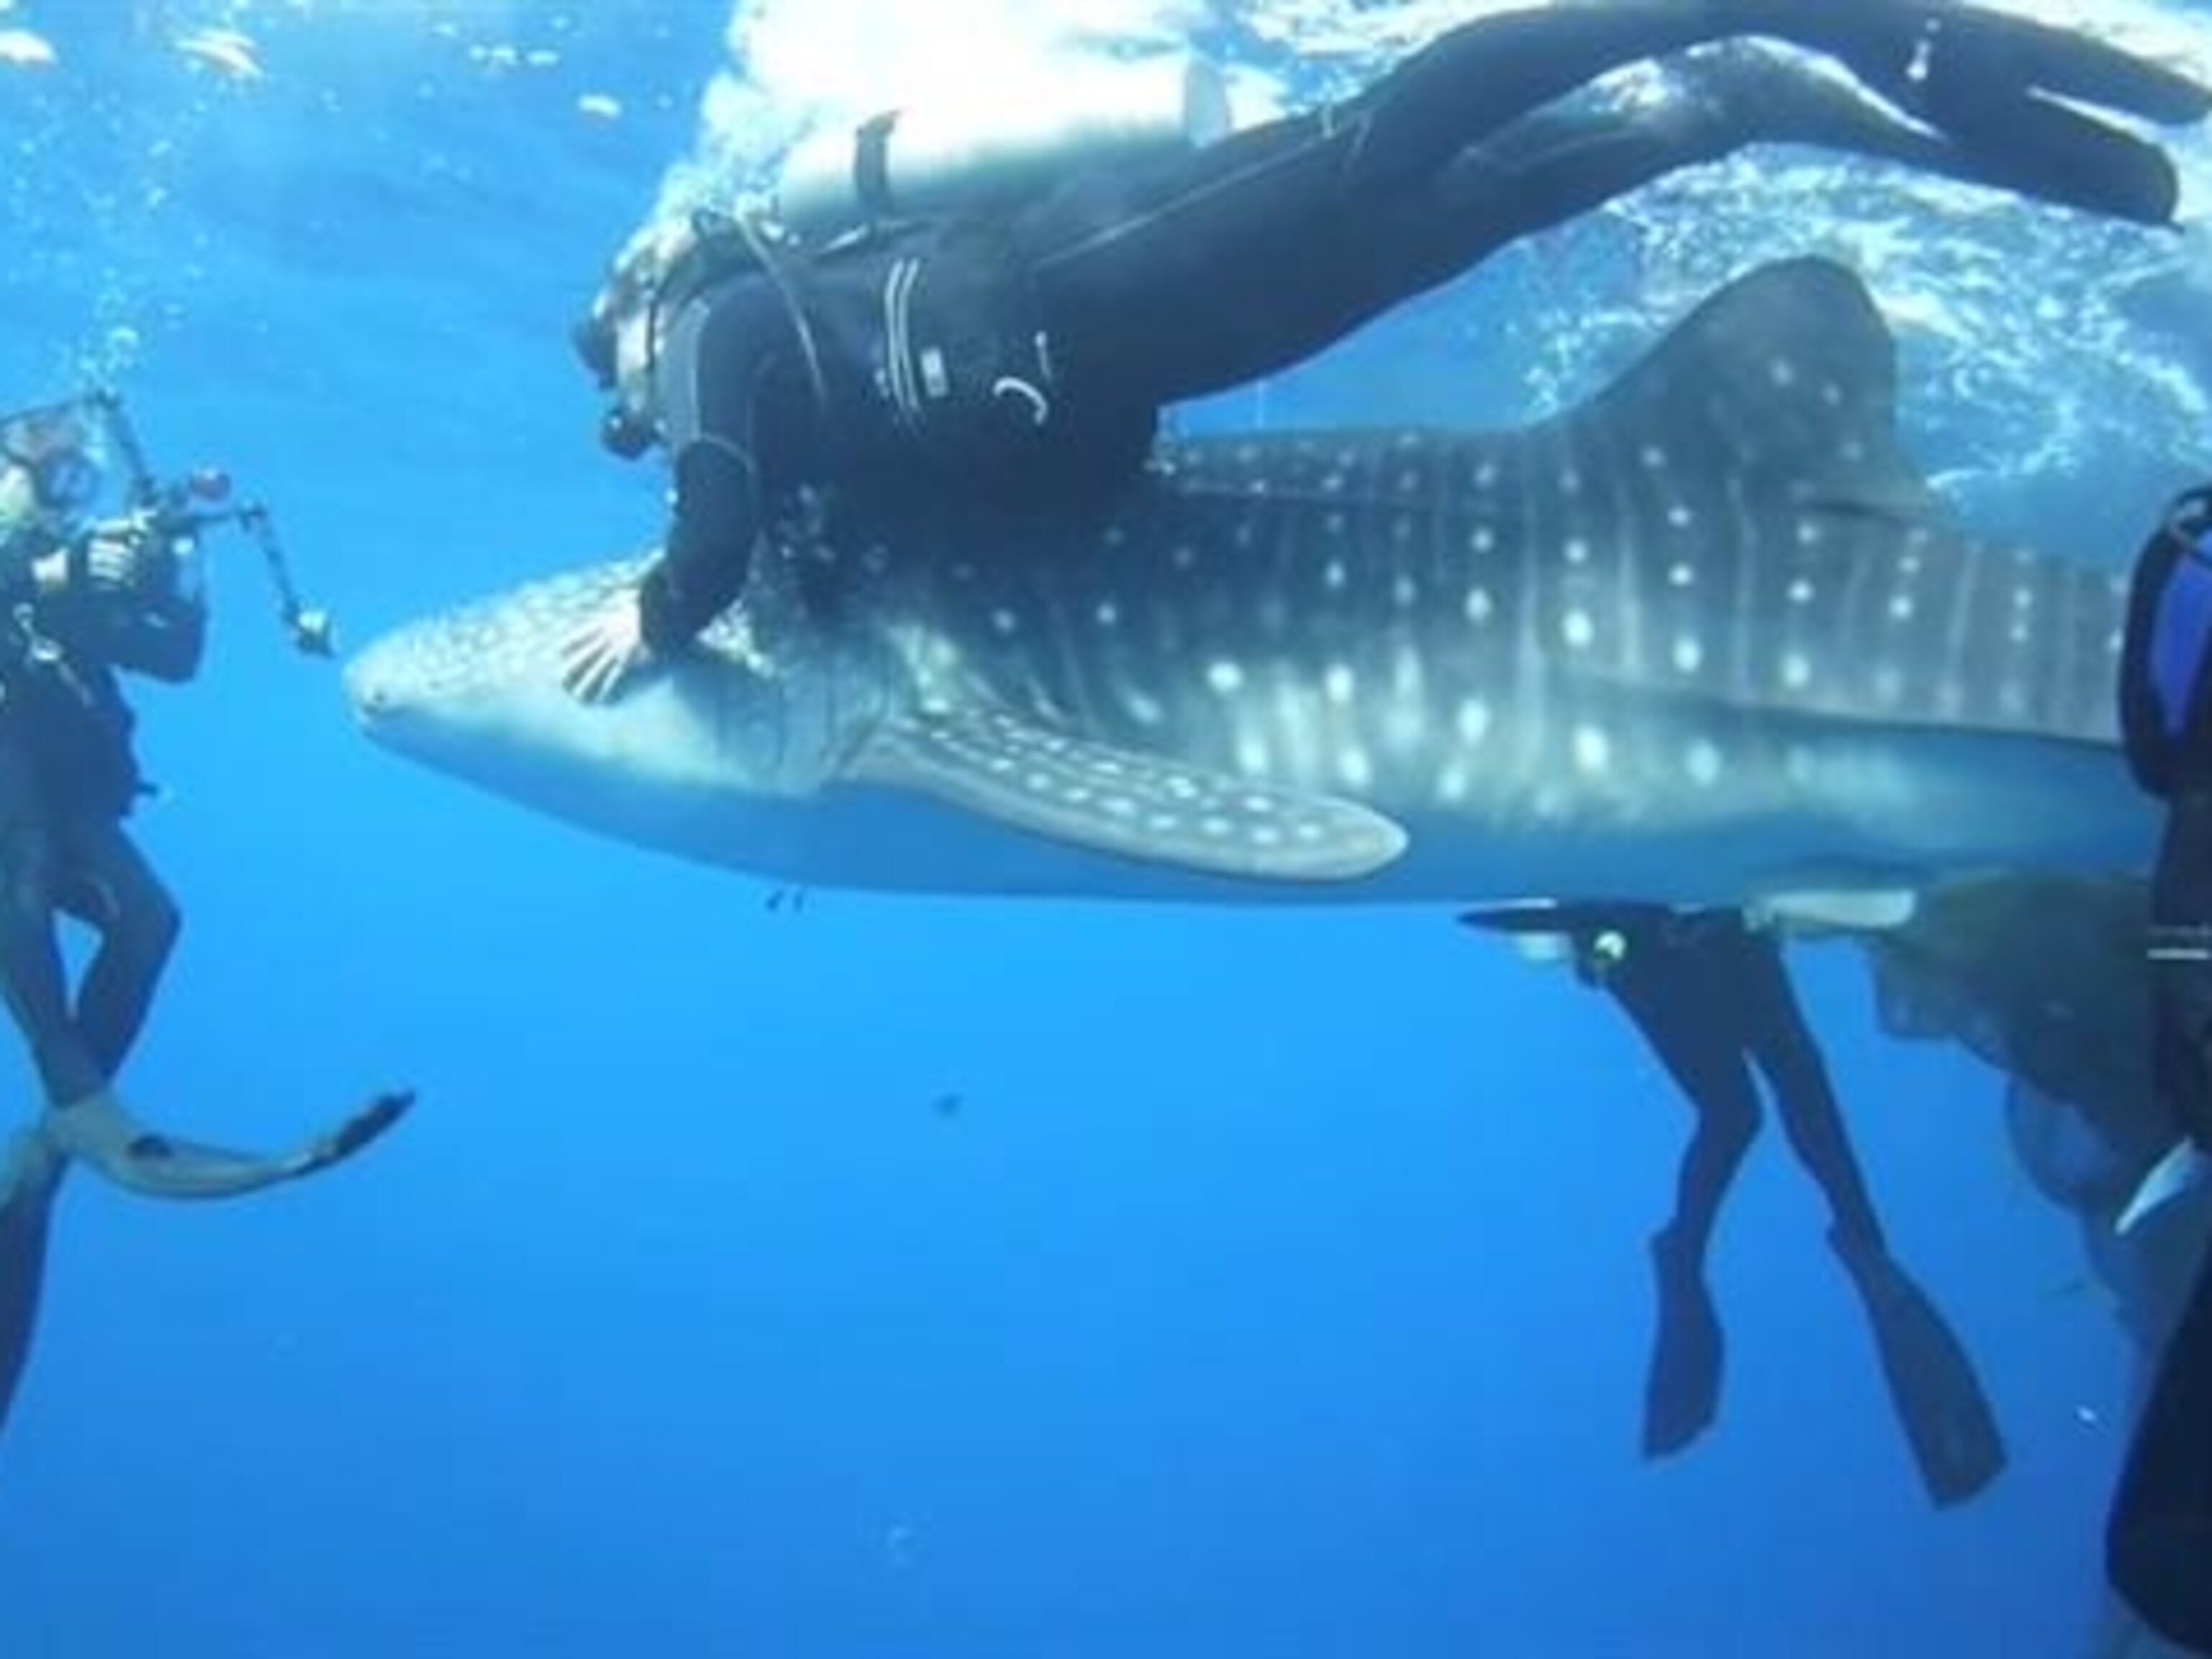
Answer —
100 1132
30 1178
1125 802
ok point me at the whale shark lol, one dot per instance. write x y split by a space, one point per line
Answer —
1705 637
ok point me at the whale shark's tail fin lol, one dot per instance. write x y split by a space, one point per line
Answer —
30 1178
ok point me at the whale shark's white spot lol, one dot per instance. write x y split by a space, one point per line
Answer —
1832 394
1474 720
1681 574
1781 372
2113 644
1571 481
1479 607
1485 476
1901 608
1689 653
1334 576
1950 698
1225 677
1809 532
1801 591
1908 564
1004 623
1354 768
1244 535
1107 614
1578 550
1796 671
2020 634
1593 750
1253 757
1679 517
2012 700
1452 784
1144 709
1888 685
1577 628
2023 599
1853 450
1213 827
1405 725
1702 762
1482 539
1409 482
1339 684
1404 592
1653 457
1333 525
1182 555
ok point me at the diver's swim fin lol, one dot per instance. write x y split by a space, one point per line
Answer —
1923 47
1939 1401
2158 1537
1682 1390
29 1177
99 1132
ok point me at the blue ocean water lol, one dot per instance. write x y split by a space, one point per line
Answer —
917 1279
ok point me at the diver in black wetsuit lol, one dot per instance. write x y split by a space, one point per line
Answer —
82 604
1017 359
1712 997
2159 1535
79 602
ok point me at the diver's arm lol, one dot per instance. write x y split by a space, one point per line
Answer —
703 567
721 352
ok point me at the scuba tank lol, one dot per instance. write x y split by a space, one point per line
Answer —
925 158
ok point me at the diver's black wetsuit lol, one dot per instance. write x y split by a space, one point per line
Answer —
1712 997
67 777
2159 1536
1024 359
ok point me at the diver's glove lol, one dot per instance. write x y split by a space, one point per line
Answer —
602 656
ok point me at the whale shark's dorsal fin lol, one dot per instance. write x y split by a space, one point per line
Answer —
1791 373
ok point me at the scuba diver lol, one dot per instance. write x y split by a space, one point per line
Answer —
1712 997
82 602
1011 353
2159 1534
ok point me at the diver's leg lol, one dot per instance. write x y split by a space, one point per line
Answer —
110 887
1938 1399
31 973
1687 1032
1758 981
1213 268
